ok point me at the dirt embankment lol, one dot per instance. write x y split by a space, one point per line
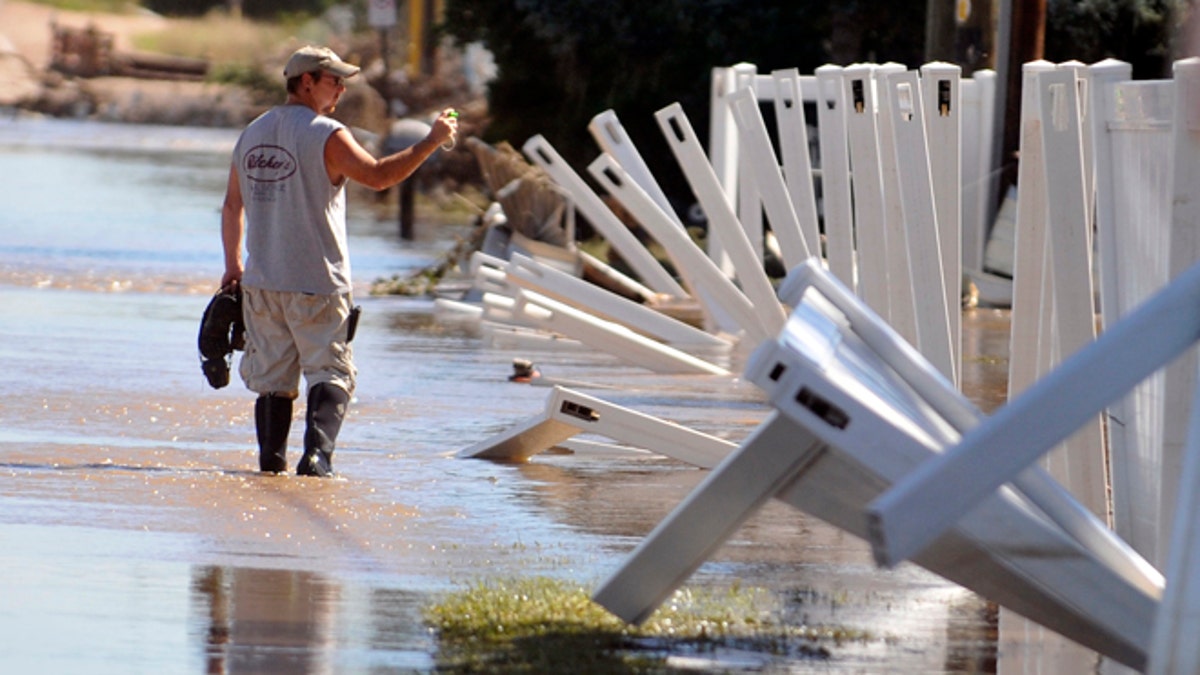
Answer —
27 81
30 81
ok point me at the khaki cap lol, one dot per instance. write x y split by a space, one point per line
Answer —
311 59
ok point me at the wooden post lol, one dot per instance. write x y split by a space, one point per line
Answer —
1027 39
406 209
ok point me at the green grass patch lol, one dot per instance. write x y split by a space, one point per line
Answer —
545 625
264 88
219 38
240 51
107 6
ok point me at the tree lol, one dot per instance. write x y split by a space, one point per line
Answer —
561 62
1137 31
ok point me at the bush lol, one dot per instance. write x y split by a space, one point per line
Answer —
263 87
1137 31
561 62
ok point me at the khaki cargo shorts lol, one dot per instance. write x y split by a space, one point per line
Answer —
289 334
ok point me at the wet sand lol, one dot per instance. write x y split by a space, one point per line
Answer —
138 532
138 538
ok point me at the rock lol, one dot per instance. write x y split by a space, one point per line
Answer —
404 133
19 82
64 98
206 104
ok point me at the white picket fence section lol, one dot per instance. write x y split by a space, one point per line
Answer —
1175 649
884 217
858 409
1143 240
900 246
1180 379
1144 152
1065 308
897 241
1132 139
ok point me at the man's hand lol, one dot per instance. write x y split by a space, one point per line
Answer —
231 278
445 129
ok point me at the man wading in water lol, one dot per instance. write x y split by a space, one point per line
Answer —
287 196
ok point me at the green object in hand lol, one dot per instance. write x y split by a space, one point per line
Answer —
452 113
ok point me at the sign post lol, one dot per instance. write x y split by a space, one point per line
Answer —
381 14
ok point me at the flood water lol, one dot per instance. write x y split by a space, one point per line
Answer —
138 537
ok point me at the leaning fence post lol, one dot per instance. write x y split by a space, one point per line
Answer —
792 125
835 175
763 170
1081 460
1025 365
900 280
870 235
722 149
712 287
612 138
748 203
652 273
941 94
722 223
921 230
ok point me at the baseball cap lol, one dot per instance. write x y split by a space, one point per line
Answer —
311 59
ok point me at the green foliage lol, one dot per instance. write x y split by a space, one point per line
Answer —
1137 31
259 9
561 62
263 87
111 6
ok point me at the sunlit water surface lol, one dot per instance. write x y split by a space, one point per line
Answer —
137 536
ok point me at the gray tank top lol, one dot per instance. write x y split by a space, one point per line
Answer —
295 218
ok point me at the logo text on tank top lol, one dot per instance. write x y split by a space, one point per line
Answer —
268 164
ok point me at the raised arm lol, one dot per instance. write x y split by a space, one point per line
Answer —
345 158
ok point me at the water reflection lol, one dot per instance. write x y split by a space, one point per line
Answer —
298 622
609 501
108 426
265 621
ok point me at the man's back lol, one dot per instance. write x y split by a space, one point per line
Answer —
295 217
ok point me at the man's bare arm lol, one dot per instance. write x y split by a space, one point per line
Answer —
233 225
345 158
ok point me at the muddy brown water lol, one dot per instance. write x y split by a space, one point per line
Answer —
138 538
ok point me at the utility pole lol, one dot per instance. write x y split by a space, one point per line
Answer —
381 15
422 15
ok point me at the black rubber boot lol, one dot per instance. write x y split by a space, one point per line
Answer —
327 405
272 420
